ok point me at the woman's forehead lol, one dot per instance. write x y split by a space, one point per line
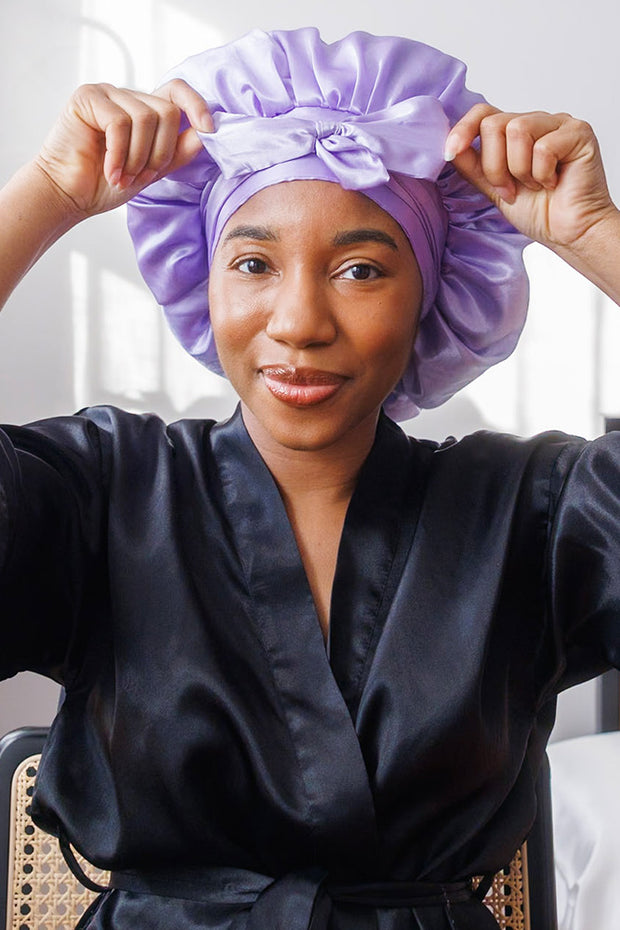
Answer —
300 205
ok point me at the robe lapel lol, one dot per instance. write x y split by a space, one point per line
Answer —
331 765
377 536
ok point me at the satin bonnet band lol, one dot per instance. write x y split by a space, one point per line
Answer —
371 114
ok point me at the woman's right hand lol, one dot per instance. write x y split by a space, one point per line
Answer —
110 142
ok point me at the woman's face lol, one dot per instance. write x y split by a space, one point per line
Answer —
314 297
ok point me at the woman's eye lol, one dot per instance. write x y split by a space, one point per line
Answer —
252 266
361 272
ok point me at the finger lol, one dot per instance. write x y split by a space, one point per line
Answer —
493 154
463 133
170 149
154 139
154 147
189 101
127 125
469 165
522 135
92 106
117 137
150 132
569 141
188 146
165 135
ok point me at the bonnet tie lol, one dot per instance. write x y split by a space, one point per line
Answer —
360 150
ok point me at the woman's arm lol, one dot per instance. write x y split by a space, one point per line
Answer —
107 145
544 172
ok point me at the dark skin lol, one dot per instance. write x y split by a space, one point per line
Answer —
311 277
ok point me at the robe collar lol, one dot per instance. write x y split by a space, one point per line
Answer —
320 690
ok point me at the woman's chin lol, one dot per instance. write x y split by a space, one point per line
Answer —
307 427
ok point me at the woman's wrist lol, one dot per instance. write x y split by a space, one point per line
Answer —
58 211
596 254
35 214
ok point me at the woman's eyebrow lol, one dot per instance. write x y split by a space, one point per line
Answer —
262 233
353 236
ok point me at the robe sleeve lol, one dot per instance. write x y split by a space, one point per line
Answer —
52 516
584 565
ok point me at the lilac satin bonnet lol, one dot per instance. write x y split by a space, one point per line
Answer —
372 114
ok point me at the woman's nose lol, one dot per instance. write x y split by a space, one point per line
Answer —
301 315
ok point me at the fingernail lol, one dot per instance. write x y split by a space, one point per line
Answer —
507 194
451 147
127 180
115 177
204 122
148 176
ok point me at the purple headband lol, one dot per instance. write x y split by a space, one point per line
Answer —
372 114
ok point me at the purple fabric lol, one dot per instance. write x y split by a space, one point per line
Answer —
372 114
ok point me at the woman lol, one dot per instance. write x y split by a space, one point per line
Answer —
227 768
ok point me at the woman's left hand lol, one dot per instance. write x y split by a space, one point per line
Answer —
542 170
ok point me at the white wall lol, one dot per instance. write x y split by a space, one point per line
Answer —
82 329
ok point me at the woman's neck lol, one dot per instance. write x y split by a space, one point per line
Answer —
329 473
316 485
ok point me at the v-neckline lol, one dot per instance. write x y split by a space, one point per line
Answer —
377 533
318 690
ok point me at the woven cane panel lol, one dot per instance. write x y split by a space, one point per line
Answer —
507 897
42 892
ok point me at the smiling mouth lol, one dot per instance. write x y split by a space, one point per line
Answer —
301 387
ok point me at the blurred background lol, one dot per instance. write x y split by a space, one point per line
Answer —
83 329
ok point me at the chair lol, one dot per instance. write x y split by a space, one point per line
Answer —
522 896
38 892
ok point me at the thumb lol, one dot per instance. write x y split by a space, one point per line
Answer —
469 165
188 147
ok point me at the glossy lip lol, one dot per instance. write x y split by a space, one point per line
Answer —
301 387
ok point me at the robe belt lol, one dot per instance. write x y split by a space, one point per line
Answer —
300 900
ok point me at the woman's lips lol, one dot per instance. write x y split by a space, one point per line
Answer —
301 387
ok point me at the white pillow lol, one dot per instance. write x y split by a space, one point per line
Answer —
585 781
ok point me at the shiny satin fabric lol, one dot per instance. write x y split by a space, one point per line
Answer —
360 150
371 113
207 724
293 902
307 900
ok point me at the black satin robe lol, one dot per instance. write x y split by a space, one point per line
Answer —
209 737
